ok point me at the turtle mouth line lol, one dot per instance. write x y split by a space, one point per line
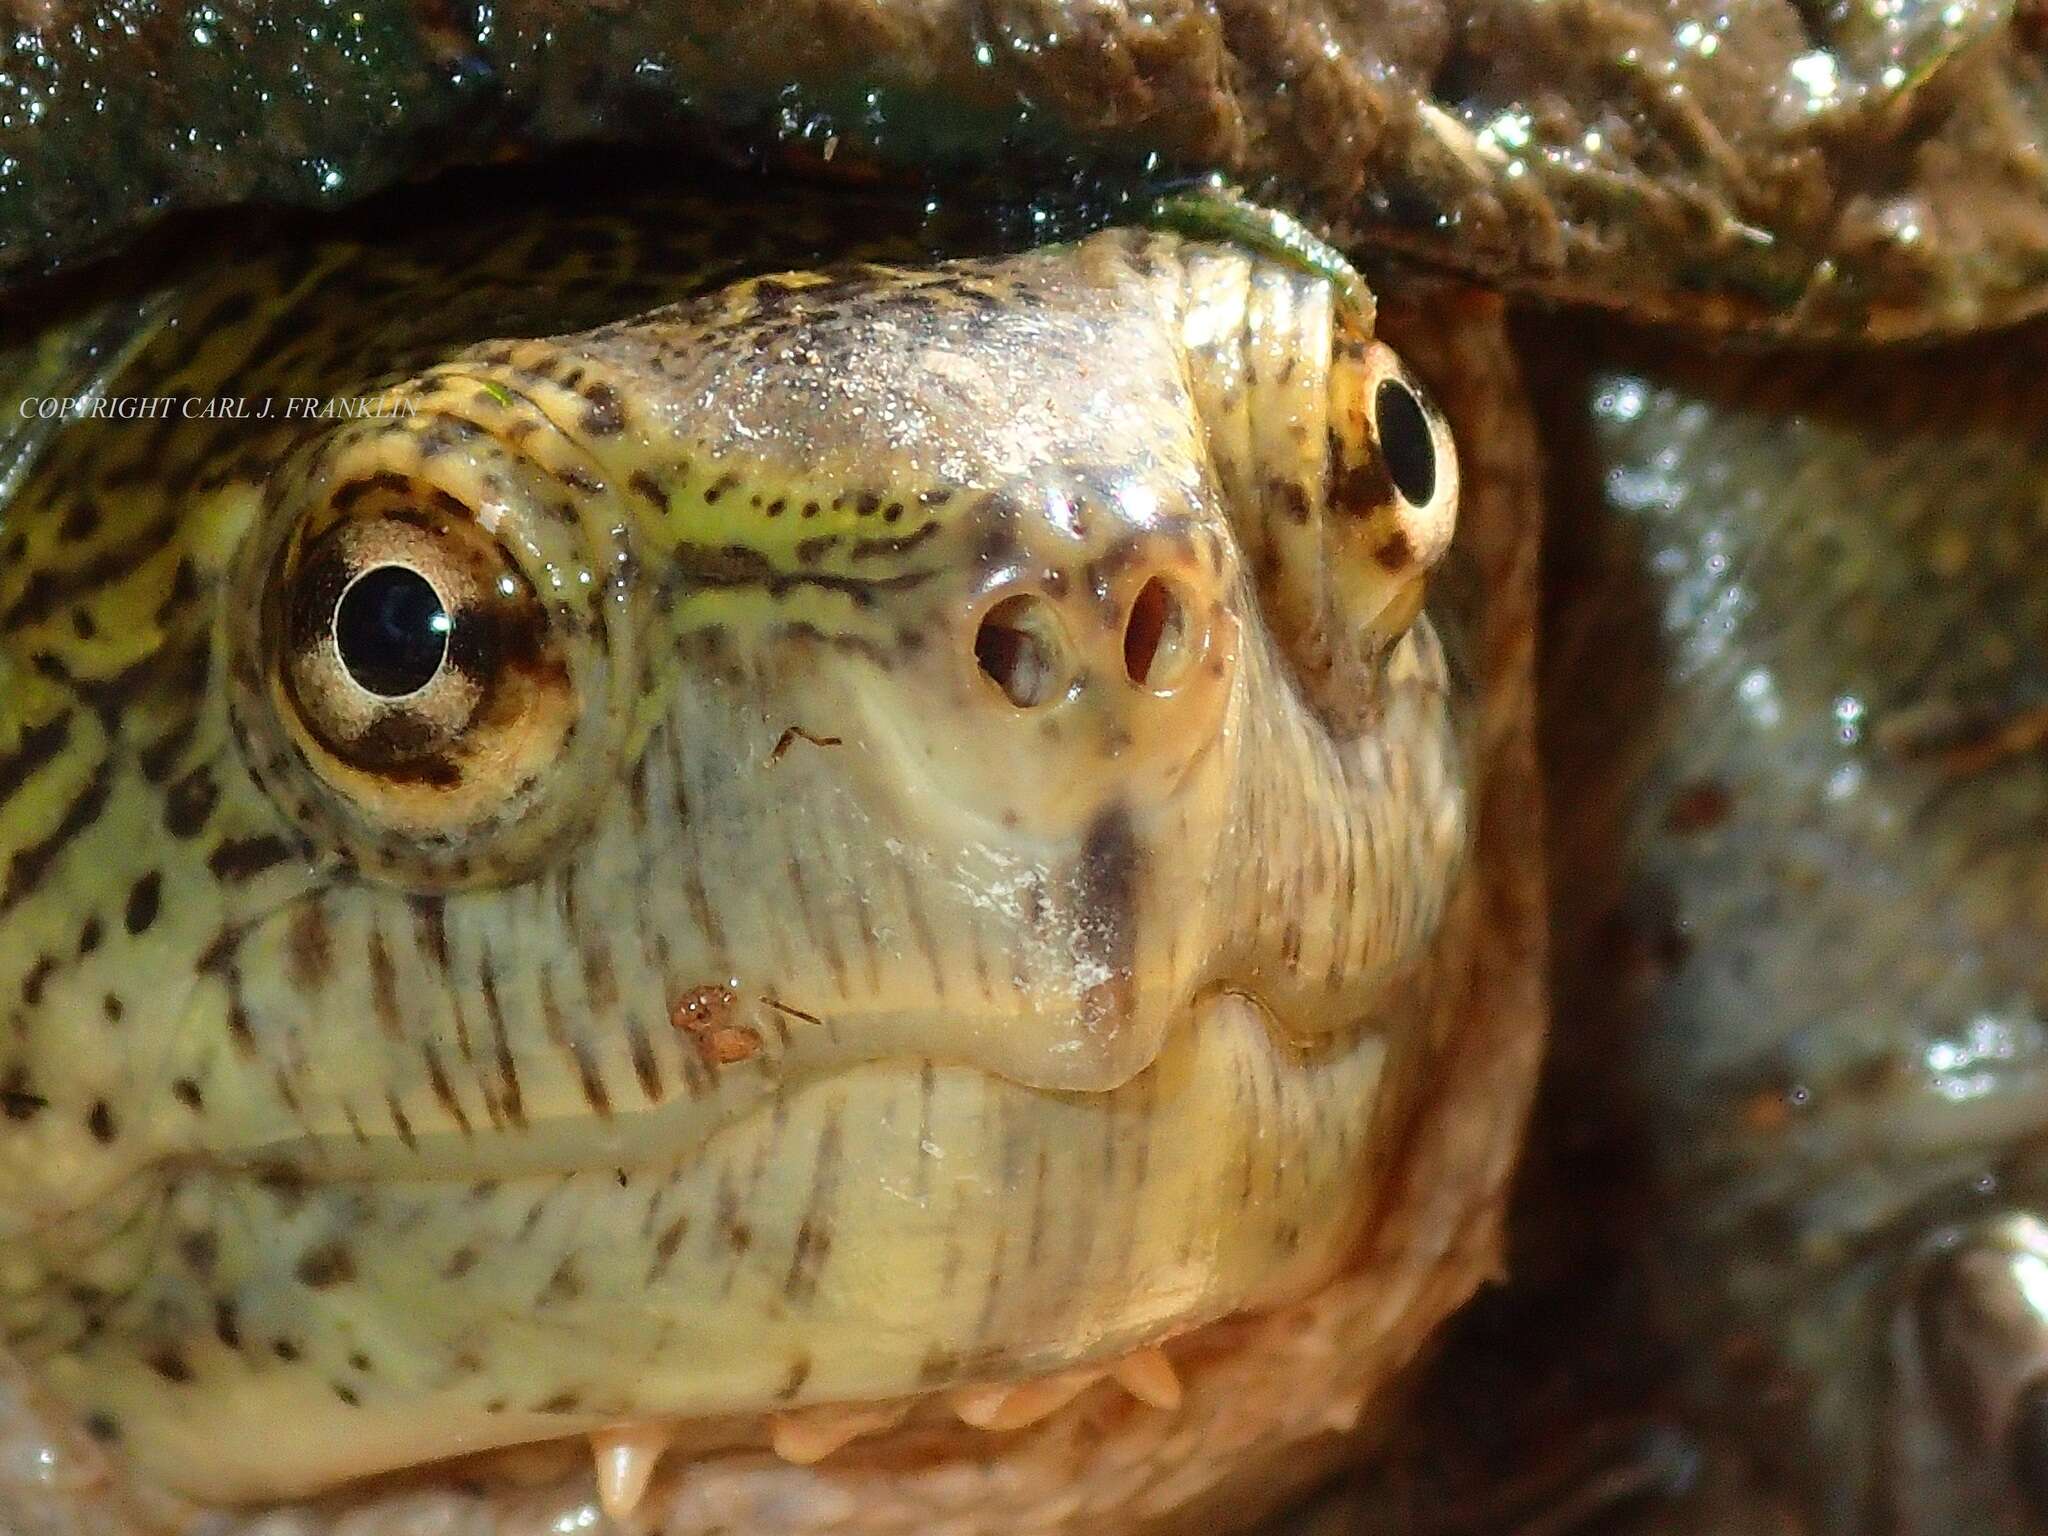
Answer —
626 1457
745 1081
625 1460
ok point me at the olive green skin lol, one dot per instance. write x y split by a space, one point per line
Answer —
1902 200
408 1168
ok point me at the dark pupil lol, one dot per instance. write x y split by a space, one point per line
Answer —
1405 440
392 631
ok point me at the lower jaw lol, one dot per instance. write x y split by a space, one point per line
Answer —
1234 1176
1269 1403
1141 1408
623 1461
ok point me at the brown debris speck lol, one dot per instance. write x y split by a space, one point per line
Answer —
705 1014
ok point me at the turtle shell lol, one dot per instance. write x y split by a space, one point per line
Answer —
1849 170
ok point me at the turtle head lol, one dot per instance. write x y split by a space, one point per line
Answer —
859 837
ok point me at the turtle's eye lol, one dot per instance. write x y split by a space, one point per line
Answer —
391 631
411 696
430 634
416 659
1392 484
1406 439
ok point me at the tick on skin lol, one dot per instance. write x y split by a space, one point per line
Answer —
705 1014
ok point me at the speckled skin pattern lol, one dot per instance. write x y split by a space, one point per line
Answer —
939 852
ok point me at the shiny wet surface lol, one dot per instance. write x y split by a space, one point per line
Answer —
1775 1259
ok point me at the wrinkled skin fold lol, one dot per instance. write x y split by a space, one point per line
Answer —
931 846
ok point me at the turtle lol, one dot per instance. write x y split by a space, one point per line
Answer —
747 855
1816 1326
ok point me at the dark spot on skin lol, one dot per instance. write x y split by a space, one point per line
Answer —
16 1101
309 948
1293 499
227 1324
347 1395
200 1250
604 417
190 803
218 956
170 1365
799 1373
239 1029
328 1265
813 1246
1107 882
431 926
37 979
645 486
890 548
102 1427
565 1284
401 1123
145 901
187 1093
113 1008
460 1263
100 1121
245 858
1395 553
665 1247
36 749
1355 487
286 1350
80 523
384 988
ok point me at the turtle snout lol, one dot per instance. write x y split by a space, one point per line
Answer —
1068 687
1150 638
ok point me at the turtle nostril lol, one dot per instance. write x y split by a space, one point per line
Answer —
1156 640
1017 649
